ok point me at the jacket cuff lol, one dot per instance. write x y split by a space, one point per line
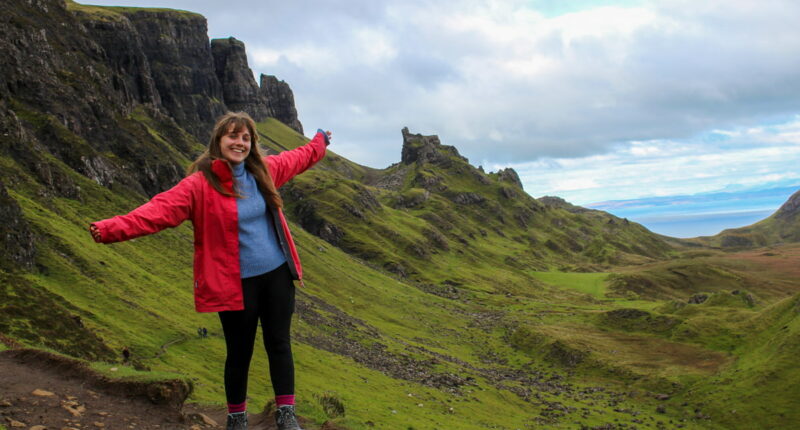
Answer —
325 135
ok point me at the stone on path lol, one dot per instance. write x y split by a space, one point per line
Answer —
73 407
42 393
208 420
15 423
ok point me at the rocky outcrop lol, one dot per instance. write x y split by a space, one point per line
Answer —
280 100
177 47
240 92
426 149
509 175
124 55
87 82
239 88
164 58
273 98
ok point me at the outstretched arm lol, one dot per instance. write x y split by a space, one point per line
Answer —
167 209
289 164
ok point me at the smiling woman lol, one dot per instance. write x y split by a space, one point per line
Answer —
245 259
235 145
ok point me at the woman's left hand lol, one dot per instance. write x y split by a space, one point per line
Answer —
328 135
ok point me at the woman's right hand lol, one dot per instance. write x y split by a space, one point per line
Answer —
95 233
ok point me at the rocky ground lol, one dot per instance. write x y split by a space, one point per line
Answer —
42 391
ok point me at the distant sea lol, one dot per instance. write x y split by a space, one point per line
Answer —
699 214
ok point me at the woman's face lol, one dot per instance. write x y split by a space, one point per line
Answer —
235 145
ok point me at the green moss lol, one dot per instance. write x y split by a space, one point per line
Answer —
589 283
116 12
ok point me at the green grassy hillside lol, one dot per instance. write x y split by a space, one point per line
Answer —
781 227
424 218
459 342
438 296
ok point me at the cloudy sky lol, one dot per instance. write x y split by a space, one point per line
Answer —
588 100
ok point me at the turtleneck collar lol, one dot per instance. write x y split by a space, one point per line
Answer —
238 170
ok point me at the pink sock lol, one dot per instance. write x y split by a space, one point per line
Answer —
284 400
241 407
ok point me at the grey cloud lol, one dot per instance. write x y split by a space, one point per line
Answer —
701 66
424 70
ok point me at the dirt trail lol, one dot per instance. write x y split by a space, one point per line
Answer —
43 389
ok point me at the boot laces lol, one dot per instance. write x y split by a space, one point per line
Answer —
286 417
237 421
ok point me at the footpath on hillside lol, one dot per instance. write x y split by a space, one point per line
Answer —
42 391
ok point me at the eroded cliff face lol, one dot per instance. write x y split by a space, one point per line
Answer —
273 98
177 48
164 58
124 53
123 96
112 92
280 100
63 96
240 91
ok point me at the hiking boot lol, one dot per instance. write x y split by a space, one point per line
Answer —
286 419
237 421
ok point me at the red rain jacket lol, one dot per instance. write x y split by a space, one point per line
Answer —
217 280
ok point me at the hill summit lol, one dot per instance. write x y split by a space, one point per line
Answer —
791 209
783 226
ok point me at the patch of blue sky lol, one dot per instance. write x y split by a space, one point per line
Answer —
700 214
686 226
716 136
553 8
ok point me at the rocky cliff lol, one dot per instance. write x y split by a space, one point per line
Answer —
112 92
280 100
123 96
240 91
419 148
176 46
273 99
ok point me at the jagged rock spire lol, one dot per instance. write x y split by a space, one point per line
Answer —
417 147
280 100
509 175
239 89
241 93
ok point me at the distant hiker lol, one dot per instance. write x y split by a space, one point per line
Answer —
200 332
205 332
245 259
126 355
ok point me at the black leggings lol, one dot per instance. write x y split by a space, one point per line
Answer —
270 298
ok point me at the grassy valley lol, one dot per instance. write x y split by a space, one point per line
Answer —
499 332
437 295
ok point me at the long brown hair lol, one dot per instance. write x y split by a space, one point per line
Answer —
253 163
